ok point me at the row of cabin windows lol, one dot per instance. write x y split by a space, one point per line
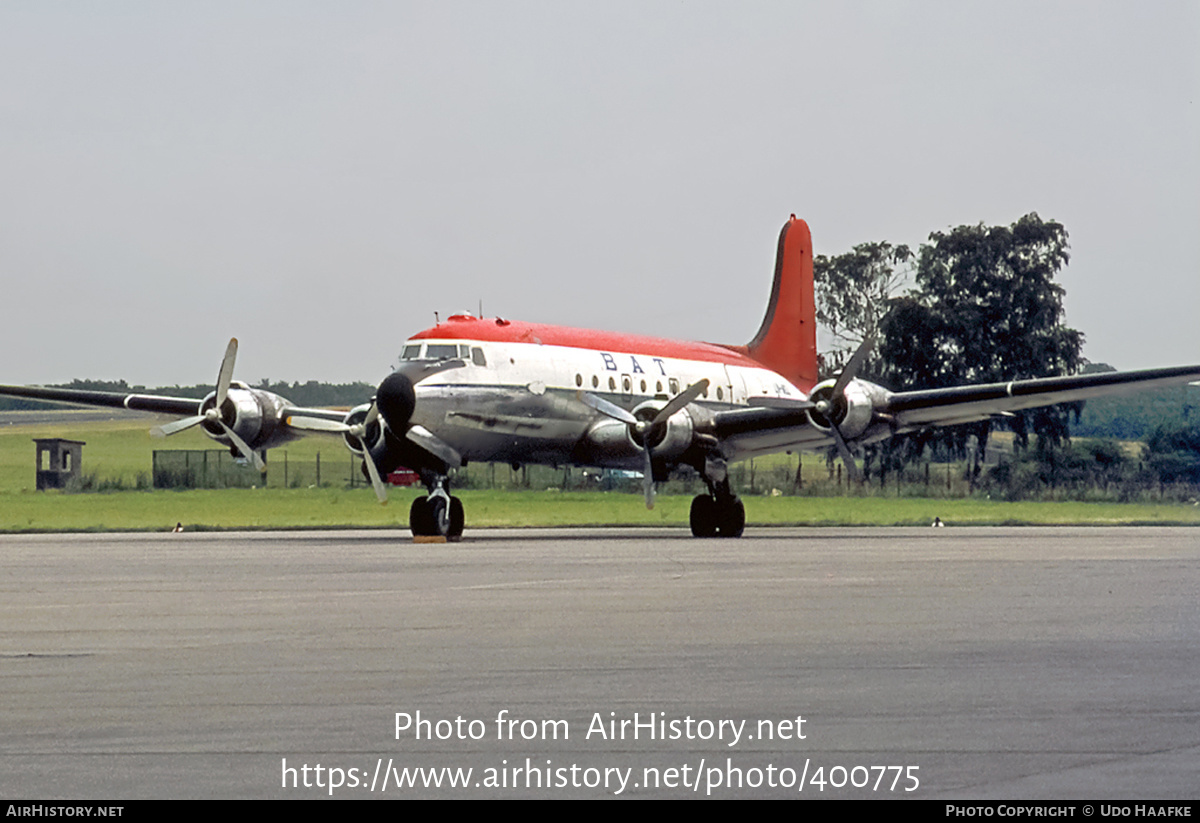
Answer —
447 351
627 385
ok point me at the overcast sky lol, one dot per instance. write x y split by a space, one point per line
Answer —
319 178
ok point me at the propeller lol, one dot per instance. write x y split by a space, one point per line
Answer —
213 414
827 406
645 430
393 405
316 424
358 431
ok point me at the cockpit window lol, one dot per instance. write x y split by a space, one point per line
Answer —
440 352
477 357
412 352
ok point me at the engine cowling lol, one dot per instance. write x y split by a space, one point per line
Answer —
668 440
373 434
608 438
852 412
253 414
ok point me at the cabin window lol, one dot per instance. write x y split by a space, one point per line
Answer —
643 387
477 357
720 394
658 387
612 384
674 384
579 380
440 352
411 352
626 383
595 382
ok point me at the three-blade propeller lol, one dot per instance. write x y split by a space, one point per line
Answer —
359 431
392 406
828 407
645 431
213 415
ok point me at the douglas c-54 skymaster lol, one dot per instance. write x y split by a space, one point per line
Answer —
496 390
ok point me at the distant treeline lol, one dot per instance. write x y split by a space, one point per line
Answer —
311 393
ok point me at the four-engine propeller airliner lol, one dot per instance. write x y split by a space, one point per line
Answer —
495 390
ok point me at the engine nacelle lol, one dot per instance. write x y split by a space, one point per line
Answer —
853 412
255 415
610 442
668 440
373 435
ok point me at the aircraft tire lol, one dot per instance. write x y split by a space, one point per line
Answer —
731 518
457 518
439 516
703 516
420 518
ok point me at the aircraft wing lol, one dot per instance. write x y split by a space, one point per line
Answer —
157 403
115 400
751 432
965 404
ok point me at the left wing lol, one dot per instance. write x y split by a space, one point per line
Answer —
965 404
867 413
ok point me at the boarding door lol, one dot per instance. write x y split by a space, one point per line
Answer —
735 386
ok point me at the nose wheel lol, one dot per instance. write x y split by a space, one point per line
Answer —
438 515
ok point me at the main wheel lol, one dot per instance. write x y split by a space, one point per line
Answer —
703 517
731 518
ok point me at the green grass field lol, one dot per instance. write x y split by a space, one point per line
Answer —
121 450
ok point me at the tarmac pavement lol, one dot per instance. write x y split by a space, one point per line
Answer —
974 663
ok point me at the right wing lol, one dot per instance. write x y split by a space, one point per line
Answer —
115 400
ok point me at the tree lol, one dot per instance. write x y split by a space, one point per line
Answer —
853 292
986 309
1173 453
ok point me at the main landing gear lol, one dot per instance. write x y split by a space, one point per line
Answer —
717 516
720 513
439 514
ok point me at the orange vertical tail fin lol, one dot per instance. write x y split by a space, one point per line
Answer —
787 340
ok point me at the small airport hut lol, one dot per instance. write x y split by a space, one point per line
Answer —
65 458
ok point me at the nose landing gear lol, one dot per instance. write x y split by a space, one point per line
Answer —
720 513
438 514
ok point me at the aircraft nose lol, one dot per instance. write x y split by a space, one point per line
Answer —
396 400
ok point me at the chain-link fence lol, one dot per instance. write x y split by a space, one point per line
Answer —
218 469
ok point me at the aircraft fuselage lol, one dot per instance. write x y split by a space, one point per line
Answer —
516 399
